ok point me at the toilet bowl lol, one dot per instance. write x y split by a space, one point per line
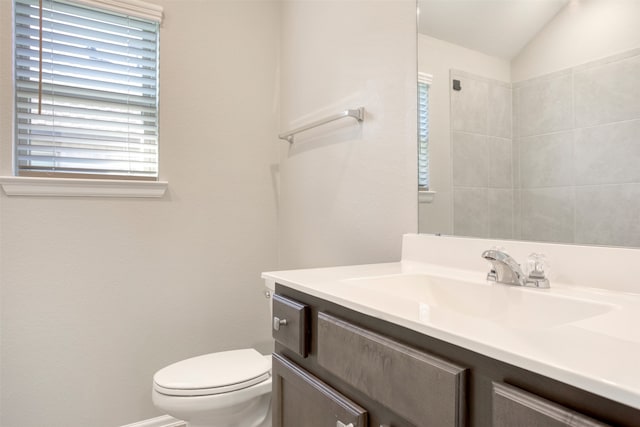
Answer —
226 389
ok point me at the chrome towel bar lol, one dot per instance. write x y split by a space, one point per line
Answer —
356 113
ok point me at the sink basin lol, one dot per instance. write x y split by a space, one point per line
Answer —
509 305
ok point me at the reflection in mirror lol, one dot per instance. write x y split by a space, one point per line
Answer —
530 119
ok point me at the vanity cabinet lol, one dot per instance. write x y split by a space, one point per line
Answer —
301 399
291 324
514 407
423 389
385 375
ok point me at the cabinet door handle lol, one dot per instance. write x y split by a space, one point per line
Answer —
341 424
277 322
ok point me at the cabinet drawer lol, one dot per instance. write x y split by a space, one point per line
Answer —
425 390
290 324
515 407
301 399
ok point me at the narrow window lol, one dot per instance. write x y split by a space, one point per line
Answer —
424 81
86 89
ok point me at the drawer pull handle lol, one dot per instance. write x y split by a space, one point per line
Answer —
341 424
277 322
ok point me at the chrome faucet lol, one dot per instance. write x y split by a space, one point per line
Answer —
505 269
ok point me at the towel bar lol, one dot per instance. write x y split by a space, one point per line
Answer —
356 113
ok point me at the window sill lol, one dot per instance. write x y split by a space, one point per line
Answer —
426 196
69 187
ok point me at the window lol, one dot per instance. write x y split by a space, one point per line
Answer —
424 81
86 88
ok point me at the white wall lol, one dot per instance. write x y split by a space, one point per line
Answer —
97 294
584 31
348 191
438 58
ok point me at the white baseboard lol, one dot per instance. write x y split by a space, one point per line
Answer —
163 421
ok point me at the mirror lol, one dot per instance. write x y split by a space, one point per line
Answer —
530 120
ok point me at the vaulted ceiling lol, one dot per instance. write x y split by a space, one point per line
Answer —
499 28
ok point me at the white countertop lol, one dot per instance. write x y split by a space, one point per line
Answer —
600 353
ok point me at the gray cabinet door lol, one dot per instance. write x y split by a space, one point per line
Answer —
515 407
291 324
300 399
423 389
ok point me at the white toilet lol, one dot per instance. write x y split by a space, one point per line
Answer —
226 389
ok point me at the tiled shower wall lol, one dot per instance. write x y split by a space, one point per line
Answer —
481 152
577 154
574 164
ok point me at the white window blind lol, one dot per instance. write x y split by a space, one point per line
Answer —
424 81
86 92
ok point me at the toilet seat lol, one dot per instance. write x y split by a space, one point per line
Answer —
214 373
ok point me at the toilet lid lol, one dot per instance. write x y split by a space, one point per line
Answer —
213 373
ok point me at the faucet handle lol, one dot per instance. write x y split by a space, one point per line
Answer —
537 265
537 270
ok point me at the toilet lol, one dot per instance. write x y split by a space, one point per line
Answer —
225 389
